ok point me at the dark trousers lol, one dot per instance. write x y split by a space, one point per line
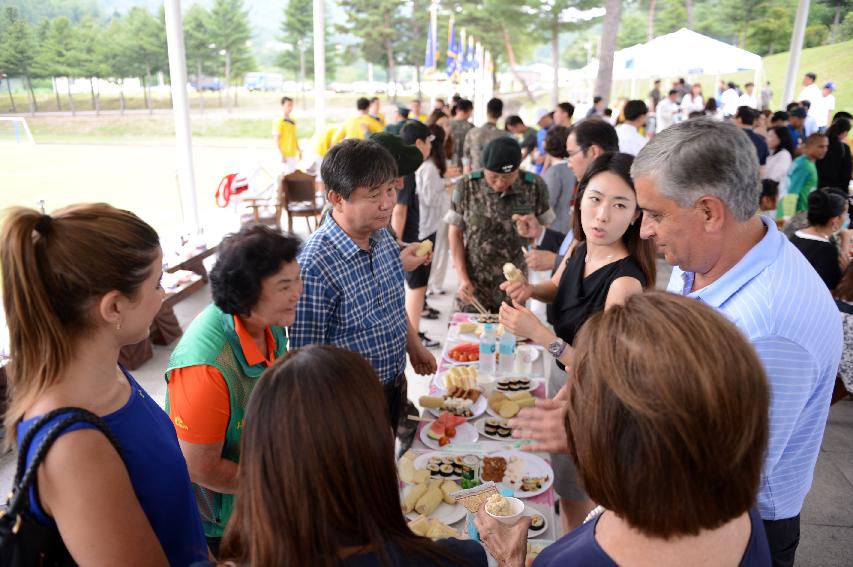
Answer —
395 398
783 537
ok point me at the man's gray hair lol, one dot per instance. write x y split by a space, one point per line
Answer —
700 157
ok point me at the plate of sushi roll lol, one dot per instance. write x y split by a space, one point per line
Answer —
537 523
446 466
517 384
494 428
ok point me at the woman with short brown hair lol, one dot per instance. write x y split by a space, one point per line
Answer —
667 422
318 484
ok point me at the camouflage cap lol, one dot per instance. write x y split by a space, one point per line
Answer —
502 155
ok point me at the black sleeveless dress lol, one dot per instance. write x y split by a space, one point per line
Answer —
579 297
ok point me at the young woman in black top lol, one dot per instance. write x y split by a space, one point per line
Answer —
607 263
827 215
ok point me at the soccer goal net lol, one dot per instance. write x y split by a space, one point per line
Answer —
14 130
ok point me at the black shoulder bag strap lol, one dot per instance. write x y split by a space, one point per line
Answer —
24 541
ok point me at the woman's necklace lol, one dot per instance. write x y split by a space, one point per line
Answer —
587 259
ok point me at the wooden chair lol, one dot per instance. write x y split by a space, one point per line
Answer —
298 198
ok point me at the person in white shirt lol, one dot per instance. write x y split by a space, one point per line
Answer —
748 98
810 124
667 111
811 92
692 101
729 100
824 108
433 182
781 153
630 139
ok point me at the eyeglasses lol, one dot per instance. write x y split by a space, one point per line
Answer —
574 153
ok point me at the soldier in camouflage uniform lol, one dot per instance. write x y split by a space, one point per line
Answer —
459 128
483 236
477 138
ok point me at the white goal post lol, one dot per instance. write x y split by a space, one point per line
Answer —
17 127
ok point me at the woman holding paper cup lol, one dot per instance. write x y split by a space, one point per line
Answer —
674 463
608 264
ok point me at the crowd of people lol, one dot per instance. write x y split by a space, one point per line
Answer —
286 394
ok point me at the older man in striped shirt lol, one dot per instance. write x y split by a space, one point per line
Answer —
698 185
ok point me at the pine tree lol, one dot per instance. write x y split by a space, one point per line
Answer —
230 32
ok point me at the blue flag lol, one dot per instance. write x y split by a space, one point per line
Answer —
431 57
452 52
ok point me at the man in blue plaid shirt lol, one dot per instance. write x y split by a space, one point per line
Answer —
352 273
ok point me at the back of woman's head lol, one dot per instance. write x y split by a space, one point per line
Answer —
316 464
54 269
555 141
838 127
785 140
667 433
641 250
245 258
824 206
437 149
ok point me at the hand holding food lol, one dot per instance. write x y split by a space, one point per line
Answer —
513 274
518 292
410 259
424 248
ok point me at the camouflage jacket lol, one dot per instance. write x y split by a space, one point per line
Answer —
476 140
489 233
458 130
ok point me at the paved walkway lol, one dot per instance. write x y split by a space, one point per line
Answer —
827 517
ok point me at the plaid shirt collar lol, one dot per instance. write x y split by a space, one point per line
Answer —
343 241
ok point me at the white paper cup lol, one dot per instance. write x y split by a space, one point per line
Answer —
517 508
524 360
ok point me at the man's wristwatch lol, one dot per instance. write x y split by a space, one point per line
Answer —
557 347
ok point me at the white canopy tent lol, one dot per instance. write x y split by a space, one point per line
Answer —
682 53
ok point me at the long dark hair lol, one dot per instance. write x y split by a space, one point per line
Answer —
437 153
317 467
785 141
838 127
642 251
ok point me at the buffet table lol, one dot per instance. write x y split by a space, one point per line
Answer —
481 445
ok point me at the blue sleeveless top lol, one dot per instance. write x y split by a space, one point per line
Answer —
579 547
157 470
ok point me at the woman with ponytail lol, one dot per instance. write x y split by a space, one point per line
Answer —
77 286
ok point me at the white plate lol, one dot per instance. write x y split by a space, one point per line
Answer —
493 413
534 383
535 512
481 429
465 433
438 381
477 408
421 461
536 466
447 513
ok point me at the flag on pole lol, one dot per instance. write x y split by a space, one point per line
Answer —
460 58
452 52
470 55
432 53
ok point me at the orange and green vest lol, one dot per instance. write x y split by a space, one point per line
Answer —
212 340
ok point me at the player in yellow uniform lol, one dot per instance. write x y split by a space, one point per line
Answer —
375 111
284 132
359 126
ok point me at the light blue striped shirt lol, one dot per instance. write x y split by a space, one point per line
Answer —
777 299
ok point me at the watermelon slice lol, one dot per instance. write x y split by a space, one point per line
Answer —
436 430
